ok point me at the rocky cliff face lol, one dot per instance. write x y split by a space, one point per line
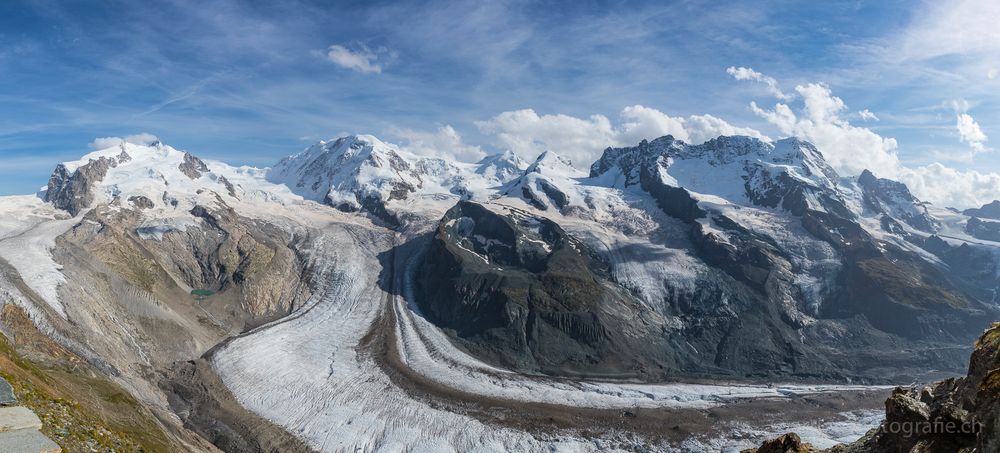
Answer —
983 229
516 290
520 292
894 202
74 191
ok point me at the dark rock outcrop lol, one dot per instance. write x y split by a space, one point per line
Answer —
520 292
988 211
894 200
73 191
986 230
787 443
517 291
141 202
192 167
230 188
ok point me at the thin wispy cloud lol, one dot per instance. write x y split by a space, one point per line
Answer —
867 115
742 73
362 59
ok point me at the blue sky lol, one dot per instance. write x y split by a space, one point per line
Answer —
250 82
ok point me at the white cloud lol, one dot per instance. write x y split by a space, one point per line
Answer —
945 186
143 138
969 132
849 149
867 115
992 73
742 73
953 28
641 122
445 142
363 59
528 134
582 140
960 105
702 128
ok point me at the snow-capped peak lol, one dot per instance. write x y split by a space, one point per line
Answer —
502 167
360 172
553 164
549 181
138 175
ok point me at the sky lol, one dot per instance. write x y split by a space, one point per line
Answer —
907 89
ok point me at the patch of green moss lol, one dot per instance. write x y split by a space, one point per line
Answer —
81 412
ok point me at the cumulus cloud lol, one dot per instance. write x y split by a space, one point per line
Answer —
867 115
143 138
362 59
749 74
528 134
639 122
583 139
849 149
969 131
946 186
445 142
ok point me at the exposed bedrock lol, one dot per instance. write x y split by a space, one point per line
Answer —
517 291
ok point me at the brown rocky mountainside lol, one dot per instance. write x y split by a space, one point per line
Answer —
954 415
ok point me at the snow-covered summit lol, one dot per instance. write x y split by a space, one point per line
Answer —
502 167
737 169
144 176
361 172
892 203
551 180
357 162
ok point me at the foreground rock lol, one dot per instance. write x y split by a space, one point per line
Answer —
20 429
954 415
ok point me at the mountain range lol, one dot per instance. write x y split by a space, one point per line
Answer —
315 304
